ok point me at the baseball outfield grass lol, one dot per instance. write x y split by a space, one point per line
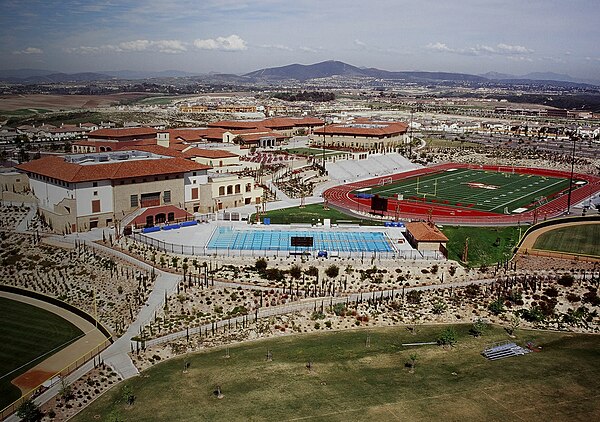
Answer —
583 239
28 335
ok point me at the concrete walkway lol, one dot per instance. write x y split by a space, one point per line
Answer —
310 304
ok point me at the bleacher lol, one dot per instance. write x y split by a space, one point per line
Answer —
376 164
504 350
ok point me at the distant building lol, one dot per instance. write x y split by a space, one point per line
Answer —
364 135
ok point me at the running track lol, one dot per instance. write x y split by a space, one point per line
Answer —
341 197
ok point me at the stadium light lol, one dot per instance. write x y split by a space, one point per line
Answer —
574 138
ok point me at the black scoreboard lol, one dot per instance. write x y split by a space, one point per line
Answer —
305 241
378 203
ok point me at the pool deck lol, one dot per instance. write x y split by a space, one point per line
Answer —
201 234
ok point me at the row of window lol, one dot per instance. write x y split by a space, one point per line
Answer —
231 189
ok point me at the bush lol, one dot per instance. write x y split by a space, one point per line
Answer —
439 307
260 265
496 307
448 337
479 327
414 296
332 271
317 326
566 280
295 271
339 309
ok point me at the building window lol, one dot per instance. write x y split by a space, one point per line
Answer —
238 188
167 196
221 190
134 201
95 193
95 184
96 205
194 193
230 190
248 187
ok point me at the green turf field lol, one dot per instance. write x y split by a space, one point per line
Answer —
312 214
487 245
483 190
580 239
314 152
28 335
350 382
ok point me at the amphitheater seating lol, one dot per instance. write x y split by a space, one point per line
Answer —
504 350
382 164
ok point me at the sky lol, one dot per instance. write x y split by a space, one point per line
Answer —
239 36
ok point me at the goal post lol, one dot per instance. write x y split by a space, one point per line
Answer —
385 181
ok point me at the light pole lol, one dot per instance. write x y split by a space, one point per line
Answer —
571 177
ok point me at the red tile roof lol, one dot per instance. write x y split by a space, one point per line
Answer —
122 132
57 168
362 128
425 232
211 153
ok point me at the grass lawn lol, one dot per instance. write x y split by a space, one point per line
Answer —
26 334
311 214
483 248
580 239
314 151
349 381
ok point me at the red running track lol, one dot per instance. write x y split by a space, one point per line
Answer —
341 197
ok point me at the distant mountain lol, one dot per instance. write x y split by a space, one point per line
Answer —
540 77
335 68
57 78
302 72
141 74
24 73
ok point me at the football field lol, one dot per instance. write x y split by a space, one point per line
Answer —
501 192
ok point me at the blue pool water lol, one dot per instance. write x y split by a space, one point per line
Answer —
274 240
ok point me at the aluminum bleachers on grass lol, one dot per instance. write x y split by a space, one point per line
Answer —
504 350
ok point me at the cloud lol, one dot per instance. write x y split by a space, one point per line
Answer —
307 49
276 47
359 43
160 46
481 50
230 43
29 50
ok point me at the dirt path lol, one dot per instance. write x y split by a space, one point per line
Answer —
58 361
527 247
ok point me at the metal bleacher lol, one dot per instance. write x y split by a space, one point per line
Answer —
504 350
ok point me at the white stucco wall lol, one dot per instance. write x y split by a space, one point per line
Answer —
85 196
50 194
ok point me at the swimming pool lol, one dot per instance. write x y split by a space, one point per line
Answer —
280 240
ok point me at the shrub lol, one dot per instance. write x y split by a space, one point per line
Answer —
496 307
414 296
260 265
439 307
566 280
448 337
332 271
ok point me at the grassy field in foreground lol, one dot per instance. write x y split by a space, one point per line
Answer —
311 214
26 333
349 381
483 246
581 239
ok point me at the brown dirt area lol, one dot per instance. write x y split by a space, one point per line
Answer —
31 379
58 102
